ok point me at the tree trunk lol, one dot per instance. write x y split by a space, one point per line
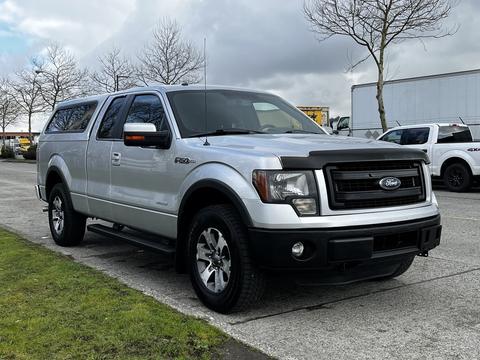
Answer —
380 81
30 128
3 132
381 107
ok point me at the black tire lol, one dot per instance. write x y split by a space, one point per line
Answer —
457 177
245 283
403 266
73 229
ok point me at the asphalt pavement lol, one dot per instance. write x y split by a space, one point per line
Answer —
430 312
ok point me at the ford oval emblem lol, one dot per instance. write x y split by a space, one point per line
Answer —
390 183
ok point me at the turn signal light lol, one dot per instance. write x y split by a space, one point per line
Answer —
135 137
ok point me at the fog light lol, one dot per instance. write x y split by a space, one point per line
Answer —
305 206
297 249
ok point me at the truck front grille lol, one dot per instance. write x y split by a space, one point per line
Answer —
357 185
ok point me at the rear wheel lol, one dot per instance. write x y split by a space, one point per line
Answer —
66 225
457 177
222 273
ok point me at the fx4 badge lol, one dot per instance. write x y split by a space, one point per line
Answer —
184 160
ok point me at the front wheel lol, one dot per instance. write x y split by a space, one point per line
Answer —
66 225
222 273
457 177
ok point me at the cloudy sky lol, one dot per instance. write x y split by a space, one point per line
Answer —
263 44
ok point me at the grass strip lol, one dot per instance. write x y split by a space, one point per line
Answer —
54 308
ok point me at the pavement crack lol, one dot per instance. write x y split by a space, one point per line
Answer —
326 303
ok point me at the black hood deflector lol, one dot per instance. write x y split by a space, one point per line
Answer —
318 159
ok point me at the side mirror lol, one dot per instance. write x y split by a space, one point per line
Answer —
335 132
145 134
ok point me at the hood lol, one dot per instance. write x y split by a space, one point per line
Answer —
289 144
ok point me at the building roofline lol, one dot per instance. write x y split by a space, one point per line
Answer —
419 78
19 133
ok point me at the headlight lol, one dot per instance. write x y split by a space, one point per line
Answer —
297 188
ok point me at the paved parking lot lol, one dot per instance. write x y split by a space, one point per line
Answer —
431 312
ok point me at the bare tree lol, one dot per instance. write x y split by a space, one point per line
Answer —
26 92
375 24
168 58
59 75
116 73
8 107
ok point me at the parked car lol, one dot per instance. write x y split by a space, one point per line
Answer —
341 126
234 184
454 156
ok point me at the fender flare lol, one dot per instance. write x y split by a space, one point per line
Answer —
456 155
59 172
225 190
228 192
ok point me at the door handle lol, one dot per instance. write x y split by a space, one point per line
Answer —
425 150
116 157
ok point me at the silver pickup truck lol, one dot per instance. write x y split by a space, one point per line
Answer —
234 184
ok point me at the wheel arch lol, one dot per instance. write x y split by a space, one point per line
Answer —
201 194
453 160
54 176
57 171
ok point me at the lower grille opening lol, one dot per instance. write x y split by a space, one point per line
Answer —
395 241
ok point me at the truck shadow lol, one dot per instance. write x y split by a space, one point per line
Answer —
438 185
149 270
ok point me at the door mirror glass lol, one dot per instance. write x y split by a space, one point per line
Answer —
145 134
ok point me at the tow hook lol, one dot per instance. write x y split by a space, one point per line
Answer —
423 253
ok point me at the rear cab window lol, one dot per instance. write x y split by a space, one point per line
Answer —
73 118
454 134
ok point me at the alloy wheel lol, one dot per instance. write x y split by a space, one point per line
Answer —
213 260
58 215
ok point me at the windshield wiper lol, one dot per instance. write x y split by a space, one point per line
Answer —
232 131
295 131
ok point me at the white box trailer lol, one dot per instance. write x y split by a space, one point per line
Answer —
427 99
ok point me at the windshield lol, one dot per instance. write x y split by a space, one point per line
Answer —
454 134
230 111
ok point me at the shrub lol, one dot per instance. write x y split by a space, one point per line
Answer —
7 152
31 153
